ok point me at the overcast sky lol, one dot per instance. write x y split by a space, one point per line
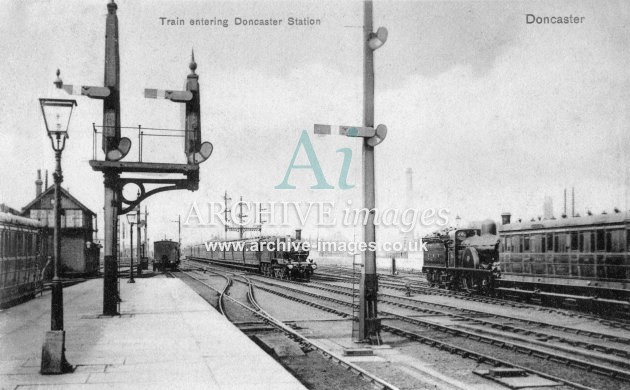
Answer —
491 113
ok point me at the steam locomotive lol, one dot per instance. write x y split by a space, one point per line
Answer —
574 257
466 259
279 257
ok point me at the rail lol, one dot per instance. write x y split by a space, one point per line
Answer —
258 310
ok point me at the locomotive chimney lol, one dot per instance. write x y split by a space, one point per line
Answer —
38 183
505 218
298 234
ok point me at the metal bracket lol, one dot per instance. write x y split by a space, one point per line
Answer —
172 184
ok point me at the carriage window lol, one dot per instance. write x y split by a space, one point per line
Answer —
549 242
526 244
516 244
11 246
574 241
616 241
543 244
628 240
600 240
555 243
582 242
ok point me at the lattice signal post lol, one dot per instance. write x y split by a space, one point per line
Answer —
116 148
241 229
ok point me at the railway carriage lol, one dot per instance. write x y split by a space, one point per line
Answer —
22 258
166 255
280 257
587 255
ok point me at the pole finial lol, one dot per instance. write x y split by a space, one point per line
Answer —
58 82
112 7
193 64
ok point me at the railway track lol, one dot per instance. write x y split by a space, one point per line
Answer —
537 362
420 287
252 306
482 318
598 371
568 361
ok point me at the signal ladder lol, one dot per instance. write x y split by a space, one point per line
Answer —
357 270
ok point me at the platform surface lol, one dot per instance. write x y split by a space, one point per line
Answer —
166 337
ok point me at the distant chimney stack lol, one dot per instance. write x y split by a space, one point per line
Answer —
46 180
298 234
505 218
38 183
564 214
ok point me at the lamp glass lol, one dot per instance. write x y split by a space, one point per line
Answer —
131 217
57 113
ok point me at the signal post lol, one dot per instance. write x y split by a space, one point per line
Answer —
116 148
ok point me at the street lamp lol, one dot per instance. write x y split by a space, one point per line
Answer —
56 113
132 218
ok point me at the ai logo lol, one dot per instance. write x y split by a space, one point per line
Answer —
322 184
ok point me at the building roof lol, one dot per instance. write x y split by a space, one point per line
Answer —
65 193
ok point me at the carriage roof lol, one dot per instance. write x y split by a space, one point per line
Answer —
619 218
15 220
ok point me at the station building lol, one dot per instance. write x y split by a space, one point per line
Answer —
79 252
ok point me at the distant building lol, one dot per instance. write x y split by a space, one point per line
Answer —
79 252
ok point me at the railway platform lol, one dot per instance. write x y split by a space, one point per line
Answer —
166 336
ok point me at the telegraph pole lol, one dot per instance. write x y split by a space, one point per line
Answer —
139 241
226 212
146 222
179 233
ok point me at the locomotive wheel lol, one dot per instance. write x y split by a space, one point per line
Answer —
468 282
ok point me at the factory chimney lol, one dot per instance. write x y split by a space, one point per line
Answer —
298 234
38 183
46 180
505 218
564 213
548 208
572 201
